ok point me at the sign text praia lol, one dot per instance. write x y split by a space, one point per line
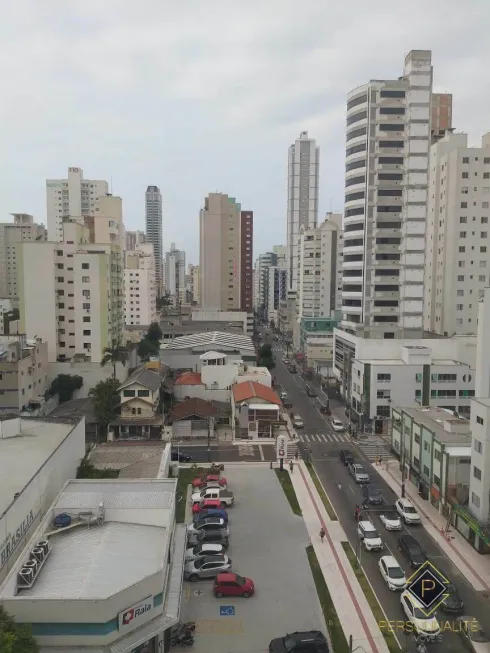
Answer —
10 543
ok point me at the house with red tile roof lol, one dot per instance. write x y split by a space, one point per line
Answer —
255 411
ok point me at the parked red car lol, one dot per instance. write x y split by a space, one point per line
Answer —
202 480
206 504
233 585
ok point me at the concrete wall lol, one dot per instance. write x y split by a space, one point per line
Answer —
38 495
201 392
92 373
184 360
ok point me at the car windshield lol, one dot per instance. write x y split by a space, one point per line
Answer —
359 469
374 491
420 614
391 516
199 562
371 535
477 635
336 422
450 589
197 549
240 580
415 551
409 509
395 572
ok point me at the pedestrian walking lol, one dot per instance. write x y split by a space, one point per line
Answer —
322 534
291 467
380 459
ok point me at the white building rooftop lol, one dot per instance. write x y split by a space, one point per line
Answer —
398 361
94 558
214 339
99 561
25 446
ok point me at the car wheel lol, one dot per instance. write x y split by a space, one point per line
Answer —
246 595
219 595
193 578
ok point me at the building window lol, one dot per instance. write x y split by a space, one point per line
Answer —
383 378
85 266
143 393
462 234
436 481
87 332
383 411
85 279
426 471
479 420
426 446
418 378
464 205
466 159
478 446
417 438
464 175
129 393
463 219
437 454
475 500
383 394
477 473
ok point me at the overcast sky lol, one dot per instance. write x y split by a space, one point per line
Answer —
206 95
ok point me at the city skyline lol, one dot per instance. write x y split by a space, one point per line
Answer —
206 125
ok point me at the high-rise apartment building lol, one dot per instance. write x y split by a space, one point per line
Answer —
154 230
22 229
302 207
246 264
193 277
457 263
386 180
77 304
261 280
319 261
277 288
72 197
134 239
441 115
225 254
175 273
140 306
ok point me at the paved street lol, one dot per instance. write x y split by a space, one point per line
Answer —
344 495
229 452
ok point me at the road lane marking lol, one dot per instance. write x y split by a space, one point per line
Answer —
261 451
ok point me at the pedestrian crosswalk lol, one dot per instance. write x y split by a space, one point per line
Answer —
372 447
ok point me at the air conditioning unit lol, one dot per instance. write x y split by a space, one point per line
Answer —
25 577
45 546
38 554
32 564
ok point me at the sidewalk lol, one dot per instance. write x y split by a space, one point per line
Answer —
476 567
339 576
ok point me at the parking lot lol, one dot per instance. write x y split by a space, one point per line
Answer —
267 544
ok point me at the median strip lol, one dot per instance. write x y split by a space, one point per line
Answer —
287 486
185 478
337 635
319 487
379 615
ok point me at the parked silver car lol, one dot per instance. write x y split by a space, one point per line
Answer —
358 473
203 549
206 567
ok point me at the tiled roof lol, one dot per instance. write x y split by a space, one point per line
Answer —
189 378
253 390
143 376
193 407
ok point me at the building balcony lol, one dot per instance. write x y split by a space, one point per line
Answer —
352 309
351 295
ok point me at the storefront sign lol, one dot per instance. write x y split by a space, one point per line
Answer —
8 546
135 612
281 446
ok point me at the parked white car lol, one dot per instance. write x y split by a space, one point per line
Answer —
298 422
428 626
204 549
391 521
407 512
392 573
337 425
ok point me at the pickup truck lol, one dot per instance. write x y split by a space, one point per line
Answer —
225 497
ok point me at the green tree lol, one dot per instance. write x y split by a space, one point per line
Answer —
265 357
106 402
14 637
116 353
154 333
64 385
163 302
147 348
87 470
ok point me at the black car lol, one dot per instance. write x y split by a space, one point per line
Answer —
372 494
346 456
452 602
311 392
181 456
293 370
310 641
412 550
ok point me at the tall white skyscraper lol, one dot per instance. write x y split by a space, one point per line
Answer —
154 228
457 264
71 197
386 186
302 208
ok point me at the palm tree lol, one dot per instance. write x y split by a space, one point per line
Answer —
117 353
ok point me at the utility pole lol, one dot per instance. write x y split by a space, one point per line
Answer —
351 644
209 439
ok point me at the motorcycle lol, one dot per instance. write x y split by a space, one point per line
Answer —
187 627
183 640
